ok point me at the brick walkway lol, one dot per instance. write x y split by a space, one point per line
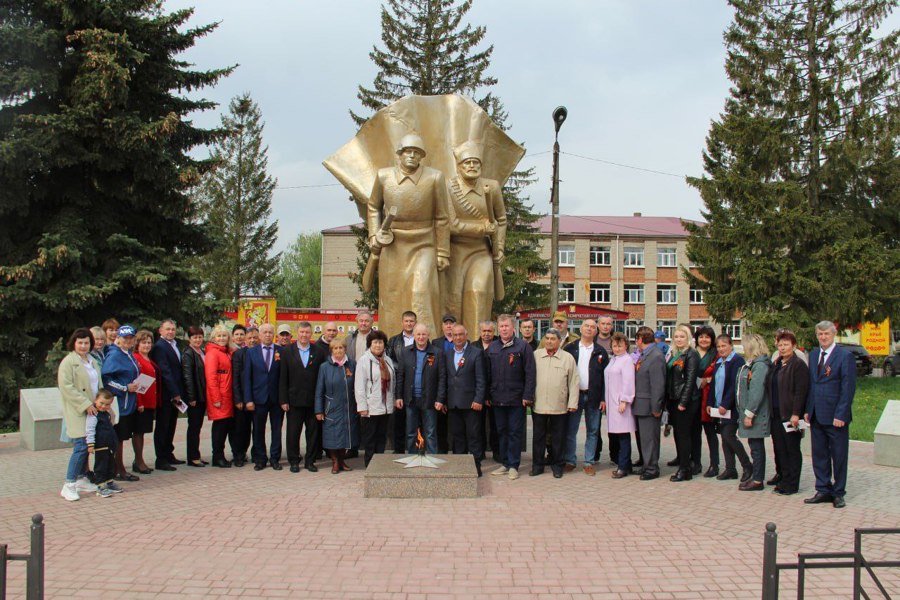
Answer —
227 533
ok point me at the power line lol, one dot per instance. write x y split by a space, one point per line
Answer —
609 162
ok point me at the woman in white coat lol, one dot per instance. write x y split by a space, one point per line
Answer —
374 394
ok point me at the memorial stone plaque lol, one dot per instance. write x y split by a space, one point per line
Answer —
40 419
887 436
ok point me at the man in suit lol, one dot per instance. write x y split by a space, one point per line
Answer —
464 364
262 370
649 399
591 360
300 364
394 349
421 385
445 343
832 385
243 338
605 325
167 357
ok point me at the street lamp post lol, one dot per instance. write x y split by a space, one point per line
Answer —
559 117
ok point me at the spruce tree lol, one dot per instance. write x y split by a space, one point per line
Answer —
94 142
801 187
236 199
429 51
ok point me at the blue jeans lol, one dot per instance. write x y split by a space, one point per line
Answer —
592 422
510 425
426 418
78 460
624 462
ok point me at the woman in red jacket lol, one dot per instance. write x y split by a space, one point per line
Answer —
147 402
219 399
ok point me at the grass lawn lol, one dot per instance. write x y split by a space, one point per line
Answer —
871 397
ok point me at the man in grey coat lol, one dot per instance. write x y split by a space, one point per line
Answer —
649 399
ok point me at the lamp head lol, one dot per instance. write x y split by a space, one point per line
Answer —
559 116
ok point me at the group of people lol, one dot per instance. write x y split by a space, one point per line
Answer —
458 393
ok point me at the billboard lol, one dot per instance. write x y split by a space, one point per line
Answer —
876 338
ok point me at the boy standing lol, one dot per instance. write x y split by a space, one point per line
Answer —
102 443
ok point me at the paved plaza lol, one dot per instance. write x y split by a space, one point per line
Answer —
224 533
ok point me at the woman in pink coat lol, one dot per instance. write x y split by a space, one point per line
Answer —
619 378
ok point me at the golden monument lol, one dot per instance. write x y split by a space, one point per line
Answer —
438 246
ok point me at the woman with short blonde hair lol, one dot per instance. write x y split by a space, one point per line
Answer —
754 407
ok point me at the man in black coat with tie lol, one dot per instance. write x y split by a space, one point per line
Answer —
167 356
466 384
300 364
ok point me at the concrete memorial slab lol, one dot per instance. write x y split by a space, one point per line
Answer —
887 436
457 478
40 419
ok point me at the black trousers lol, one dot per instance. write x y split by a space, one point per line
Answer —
104 465
465 430
195 416
373 438
489 436
712 440
243 431
297 418
222 429
788 457
164 432
398 435
683 422
732 446
696 438
555 426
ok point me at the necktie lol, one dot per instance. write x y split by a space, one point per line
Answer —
821 361
267 358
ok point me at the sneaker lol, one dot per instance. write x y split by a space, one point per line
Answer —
513 473
113 487
83 485
70 492
104 491
589 470
500 471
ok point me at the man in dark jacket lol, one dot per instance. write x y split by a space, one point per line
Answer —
421 386
167 356
300 364
512 376
445 343
591 359
243 338
261 377
464 364
394 349
649 399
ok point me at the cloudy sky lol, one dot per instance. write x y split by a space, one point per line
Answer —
641 80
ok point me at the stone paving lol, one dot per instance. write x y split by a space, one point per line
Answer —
217 533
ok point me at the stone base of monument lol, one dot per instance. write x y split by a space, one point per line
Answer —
456 478
887 436
40 419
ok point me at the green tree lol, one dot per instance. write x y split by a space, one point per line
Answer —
236 201
299 281
801 185
94 160
429 51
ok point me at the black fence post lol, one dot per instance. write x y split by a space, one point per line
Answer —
770 567
857 562
35 582
3 553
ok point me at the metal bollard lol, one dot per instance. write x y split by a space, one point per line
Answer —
3 552
35 583
770 567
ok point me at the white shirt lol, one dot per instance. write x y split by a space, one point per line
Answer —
175 348
360 344
408 341
92 375
584 364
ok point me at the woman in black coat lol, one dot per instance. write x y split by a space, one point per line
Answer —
194 377
681 381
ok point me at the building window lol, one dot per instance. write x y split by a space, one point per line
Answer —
567 256
634 293
634 256
567 292
665 257
667 327
666 294
697 296
695 325
599 293
733 329
600 256
631 328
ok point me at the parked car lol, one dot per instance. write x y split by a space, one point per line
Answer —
863 360
892 365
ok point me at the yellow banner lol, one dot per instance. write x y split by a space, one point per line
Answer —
876 338
254 312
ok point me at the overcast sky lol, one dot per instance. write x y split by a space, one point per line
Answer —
641 80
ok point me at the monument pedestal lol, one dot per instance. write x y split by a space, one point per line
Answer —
457 478
40 419
887 436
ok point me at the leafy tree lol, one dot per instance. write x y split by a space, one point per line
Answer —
94 160
236 200
801 187
299 280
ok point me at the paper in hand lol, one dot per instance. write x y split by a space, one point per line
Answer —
801 425
144 382
181 406
714 413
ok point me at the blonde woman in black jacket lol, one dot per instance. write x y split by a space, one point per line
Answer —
682 366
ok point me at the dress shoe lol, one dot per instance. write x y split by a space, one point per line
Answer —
712 471
142 471
127 477
204 462
674 462
752 486
259 466
199 463
648 476
783 492
681 476
165 467
696 469
775 480
352 454
619 474
312 468
536 472
557 474
569 468
819 498
839 502
276 466
239 462
175 461
295 468
345 466
222 463
637 464
727 474
746 475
